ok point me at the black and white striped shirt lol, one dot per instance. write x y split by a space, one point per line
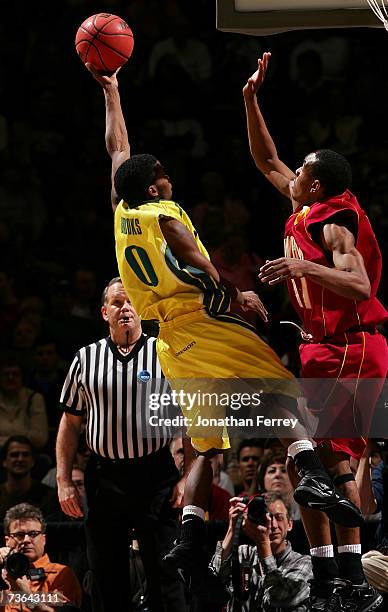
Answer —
113 390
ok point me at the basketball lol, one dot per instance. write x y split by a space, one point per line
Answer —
105 41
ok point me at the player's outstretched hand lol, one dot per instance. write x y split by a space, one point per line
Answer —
279 270
104 80
249 300
255 81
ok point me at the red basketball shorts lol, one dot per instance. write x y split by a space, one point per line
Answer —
352 368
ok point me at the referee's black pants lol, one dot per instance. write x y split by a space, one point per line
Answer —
125 495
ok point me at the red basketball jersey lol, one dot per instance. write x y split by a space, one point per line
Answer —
323 312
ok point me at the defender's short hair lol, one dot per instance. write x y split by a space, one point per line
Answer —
333 171
133 178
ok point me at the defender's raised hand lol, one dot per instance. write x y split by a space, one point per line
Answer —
255 81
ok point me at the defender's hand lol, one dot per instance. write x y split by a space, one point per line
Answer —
278 270
256 80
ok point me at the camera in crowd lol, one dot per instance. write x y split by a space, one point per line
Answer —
17 565
257 509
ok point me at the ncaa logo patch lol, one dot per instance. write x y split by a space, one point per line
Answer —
144 376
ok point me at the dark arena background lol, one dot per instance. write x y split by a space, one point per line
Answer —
181 94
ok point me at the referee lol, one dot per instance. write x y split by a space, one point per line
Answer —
131 480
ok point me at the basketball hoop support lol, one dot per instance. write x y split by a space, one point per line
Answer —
380 11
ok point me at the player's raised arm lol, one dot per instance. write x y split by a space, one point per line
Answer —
116 135
261 145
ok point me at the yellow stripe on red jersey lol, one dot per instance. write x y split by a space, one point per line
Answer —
158 285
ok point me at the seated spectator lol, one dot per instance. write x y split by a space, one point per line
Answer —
275 577
273 477
47 377
24 529
220 477
17 457
22 410
249 454
85 299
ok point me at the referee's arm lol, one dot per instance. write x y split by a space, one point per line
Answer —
66 449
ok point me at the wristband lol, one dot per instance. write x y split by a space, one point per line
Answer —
231 289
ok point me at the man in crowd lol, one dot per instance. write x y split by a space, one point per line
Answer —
131 480
22 410
17 457
249 454
274 576
24 529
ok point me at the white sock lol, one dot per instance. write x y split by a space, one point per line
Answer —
350 548
322 551
190 511
298 447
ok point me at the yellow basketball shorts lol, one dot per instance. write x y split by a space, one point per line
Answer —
197 346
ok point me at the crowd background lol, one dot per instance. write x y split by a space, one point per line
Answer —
181 94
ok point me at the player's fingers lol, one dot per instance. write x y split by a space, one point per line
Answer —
270 269
277 281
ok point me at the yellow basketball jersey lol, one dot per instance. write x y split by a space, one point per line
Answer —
159 286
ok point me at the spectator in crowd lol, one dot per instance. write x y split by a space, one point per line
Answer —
17 457
190 53
84 293
272 476
25 532
47 377
9 304
22 410
275 577
220 477
249 454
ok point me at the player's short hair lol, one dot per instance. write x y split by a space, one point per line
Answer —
332 170
248 442
23 512
133 178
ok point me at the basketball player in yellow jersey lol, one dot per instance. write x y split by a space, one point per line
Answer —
168 275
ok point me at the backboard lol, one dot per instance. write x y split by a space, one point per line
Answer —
263 17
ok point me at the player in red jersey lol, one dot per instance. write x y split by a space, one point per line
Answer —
332 266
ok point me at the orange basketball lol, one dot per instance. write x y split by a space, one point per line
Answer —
105 41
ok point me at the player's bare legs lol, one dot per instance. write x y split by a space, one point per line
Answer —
314 488
188 555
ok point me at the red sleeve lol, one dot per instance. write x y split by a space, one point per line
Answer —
326 212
